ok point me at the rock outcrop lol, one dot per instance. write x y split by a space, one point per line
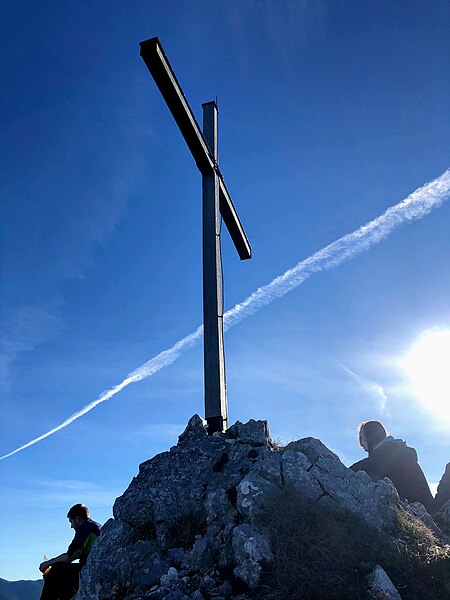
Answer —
442 518
188 527
380 586
443 490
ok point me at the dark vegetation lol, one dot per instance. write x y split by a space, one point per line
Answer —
146 532
184 527
121 588
320 553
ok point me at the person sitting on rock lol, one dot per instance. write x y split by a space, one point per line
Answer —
61 575
392 458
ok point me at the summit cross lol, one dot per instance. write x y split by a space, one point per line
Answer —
216 202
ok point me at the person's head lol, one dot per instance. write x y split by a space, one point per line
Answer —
370 433
77 515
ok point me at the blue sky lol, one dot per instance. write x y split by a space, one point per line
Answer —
330 113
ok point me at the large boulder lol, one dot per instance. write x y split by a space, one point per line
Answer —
442 518
189 524
380 586
443 490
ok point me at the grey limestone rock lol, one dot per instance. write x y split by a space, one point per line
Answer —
169 578
295 469
176 556
188 524
196 427
312 448
225 590
147 564
137 566
443 490
200 558
419 511
219 510
207 584
268 466
372 502
254 433
176 595
380 586
252 550
442 518
252 494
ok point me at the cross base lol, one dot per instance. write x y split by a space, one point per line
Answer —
216 424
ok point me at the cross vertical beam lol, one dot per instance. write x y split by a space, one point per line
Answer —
216 409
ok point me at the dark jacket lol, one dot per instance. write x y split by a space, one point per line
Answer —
395 460
81 544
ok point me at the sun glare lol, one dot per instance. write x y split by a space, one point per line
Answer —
428 368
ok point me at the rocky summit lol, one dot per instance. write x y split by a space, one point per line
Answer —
191 524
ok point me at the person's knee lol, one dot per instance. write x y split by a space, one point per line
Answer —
59 567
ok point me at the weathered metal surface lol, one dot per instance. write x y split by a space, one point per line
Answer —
233 223
216 410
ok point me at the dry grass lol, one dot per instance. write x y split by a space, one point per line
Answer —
314 552
184 527
418 564
327 554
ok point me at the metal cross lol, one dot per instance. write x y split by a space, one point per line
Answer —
216 202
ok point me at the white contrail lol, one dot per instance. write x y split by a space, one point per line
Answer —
373 387
415 206
158 362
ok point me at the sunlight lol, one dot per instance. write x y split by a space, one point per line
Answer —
428 368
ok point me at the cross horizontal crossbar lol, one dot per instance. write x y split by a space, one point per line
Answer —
161 71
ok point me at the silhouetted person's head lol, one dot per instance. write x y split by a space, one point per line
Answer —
370 434
77 515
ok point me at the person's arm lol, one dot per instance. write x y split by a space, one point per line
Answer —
51 561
